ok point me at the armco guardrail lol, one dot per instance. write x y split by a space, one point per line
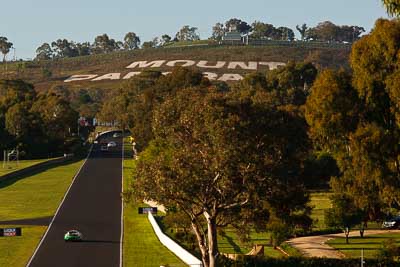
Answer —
35 167
180 252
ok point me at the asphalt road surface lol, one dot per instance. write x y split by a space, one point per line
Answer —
92 206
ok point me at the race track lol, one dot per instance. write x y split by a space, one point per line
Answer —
92 206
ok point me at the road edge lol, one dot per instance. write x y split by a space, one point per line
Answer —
121 241
58 209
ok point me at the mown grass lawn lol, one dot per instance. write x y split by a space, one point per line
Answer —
141 245
230 243
31 197
321 202
14 165
371 245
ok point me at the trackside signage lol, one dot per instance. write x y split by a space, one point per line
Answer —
11 231
145 210
136 67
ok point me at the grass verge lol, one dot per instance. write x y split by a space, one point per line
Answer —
31 197
371 244
141 245
14 166
321 202
229 243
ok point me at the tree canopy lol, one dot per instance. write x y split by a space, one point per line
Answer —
356 119
222 157
5 46
392 7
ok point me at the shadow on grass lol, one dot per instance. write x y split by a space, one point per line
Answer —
10 181
42 221
235 247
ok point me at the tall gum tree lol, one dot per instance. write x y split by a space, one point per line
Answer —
359 122
223 160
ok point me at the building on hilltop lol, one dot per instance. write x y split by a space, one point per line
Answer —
233 37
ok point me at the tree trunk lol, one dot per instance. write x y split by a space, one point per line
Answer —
347 237
202 245
212 239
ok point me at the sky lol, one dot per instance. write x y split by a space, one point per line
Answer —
30 23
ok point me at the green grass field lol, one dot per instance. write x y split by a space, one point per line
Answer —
321 202
141 245
14 166
34 196
371 245
230 243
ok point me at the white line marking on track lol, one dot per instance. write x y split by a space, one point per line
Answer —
122 207
59 207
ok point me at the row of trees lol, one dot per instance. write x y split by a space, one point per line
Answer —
238 155
324 31
102 44
356 118
221 155
39 125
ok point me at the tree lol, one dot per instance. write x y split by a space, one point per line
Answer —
241 26
296 76
344 214
64 48
44 52
5 47
83 49
324 31
103 44
165 39
131 41
302 30
392 7
57 115
202 162
328 32
356 119
218 31
17 120
285 34
187 33
262 30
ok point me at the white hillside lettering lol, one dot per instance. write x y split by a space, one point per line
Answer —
272 65
80 77
108 76
145 64
218 65
252 65
182 63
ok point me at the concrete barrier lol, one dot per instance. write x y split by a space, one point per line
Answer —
35 167
180 252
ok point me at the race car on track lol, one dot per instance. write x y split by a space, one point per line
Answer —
112 144
73 235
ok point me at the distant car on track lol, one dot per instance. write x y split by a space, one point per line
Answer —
73 235
393 223
112 144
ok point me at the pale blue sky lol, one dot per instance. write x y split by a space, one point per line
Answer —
29 23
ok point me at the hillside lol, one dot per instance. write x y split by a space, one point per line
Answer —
47 74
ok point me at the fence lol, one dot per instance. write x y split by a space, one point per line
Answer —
180 252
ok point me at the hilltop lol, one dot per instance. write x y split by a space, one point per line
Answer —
49 73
